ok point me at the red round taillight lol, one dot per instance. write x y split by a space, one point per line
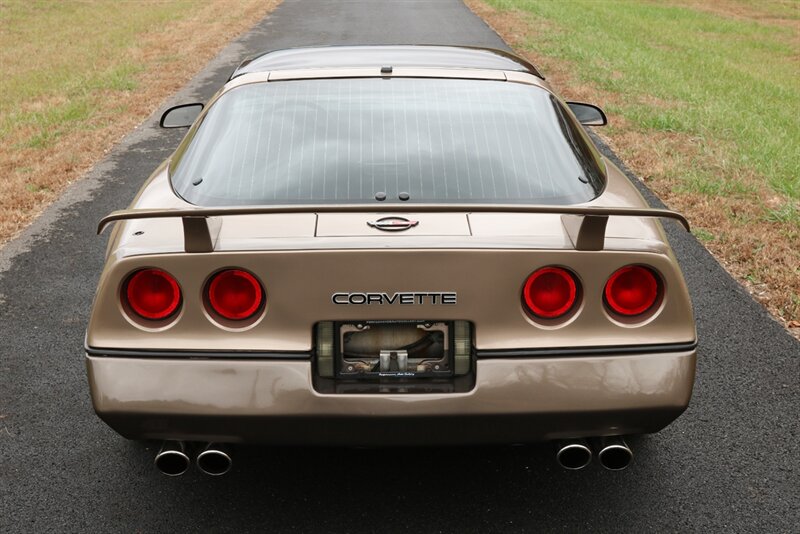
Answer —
153 294
632 290
550 292
235 294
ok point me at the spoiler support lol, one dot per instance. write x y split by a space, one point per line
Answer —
585 225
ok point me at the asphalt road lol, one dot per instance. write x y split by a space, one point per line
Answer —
730 462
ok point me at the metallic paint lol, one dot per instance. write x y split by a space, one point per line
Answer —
303 258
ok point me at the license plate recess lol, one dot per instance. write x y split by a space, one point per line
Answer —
400 350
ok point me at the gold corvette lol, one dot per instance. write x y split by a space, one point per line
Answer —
388 245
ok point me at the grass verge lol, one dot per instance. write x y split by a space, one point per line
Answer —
77 76
703 101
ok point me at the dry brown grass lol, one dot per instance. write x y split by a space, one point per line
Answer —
33 175
737 223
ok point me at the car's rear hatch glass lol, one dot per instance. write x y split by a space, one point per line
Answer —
361 140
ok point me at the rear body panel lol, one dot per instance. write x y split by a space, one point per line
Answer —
195 377
300 285
514 400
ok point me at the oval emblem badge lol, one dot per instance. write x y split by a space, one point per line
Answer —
393 224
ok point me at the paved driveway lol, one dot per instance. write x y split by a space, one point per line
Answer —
730 462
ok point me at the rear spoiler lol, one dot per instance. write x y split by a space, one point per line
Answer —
586 226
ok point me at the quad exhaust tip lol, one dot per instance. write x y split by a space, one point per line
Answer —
214 459
172 459
573 454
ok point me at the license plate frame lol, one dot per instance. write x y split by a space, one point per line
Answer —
380 350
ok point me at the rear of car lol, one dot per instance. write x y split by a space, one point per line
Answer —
380 256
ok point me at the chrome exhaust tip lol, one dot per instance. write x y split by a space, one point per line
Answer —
214 459
613 453
172 459
573 454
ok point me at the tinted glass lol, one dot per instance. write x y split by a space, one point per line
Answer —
346 140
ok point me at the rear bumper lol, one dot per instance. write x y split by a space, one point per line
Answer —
514 400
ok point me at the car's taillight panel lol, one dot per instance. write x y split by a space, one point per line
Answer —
551 292
152 294
235 294
633 290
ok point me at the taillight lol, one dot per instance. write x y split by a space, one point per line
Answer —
550 292
632 290
235 294
153 294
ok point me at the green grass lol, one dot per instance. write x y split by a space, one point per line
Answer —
788 213
703 235
56 56
729 81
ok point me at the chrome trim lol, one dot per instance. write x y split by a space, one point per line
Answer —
214 452
613 453
172 459
573 454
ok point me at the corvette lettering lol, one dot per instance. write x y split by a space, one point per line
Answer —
418 298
